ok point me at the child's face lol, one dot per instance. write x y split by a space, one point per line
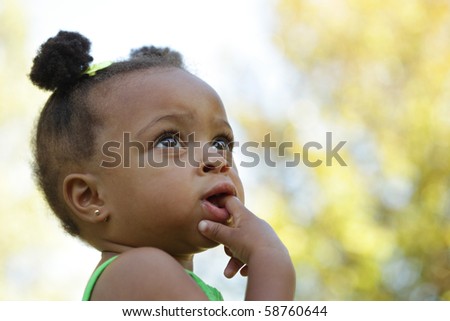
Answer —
155 205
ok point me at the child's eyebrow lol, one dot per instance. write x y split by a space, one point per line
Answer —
176 117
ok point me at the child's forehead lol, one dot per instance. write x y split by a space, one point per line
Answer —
151 84
156 91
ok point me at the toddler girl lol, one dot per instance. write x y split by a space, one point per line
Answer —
134 157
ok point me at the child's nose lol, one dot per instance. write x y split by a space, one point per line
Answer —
215 161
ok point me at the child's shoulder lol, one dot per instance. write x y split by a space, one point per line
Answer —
146 274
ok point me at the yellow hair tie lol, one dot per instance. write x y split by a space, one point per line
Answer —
92 70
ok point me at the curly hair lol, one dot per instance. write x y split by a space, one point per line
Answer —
65 133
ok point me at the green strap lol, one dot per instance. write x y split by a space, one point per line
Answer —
212 293
91 283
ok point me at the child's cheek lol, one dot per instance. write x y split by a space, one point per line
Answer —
239 187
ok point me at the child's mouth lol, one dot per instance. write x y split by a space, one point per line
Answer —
216 206
215 199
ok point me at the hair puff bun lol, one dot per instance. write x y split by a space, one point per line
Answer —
156 53
61 60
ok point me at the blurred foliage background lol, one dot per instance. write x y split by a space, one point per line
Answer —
376 74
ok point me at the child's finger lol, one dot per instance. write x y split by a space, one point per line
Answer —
215 231
235 207
233 266
228 251
244 271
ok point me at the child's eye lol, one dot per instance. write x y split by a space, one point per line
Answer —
222 143
169 140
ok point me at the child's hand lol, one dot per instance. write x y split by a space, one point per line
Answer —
246 235
253 245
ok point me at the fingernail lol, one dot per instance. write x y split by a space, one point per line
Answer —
202 226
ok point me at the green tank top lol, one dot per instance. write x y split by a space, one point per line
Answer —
212 293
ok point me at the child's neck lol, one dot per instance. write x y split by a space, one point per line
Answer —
187 262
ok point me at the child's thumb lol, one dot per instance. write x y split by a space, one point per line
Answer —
214 231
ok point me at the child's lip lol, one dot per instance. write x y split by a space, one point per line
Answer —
220 189
214 201
215 213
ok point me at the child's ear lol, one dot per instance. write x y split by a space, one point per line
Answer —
81 195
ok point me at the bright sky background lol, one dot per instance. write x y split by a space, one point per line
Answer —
212 35
217 38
